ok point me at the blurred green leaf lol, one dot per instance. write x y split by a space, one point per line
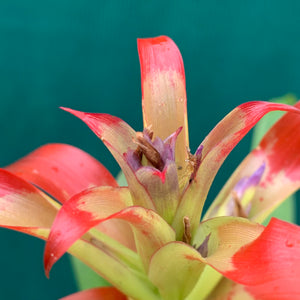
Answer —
286 211
121 179
85 277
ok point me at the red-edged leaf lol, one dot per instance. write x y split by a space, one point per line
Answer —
270 265
266 261
163 91
79 214
119 138
282 143
218 239
86 210
102 293
23 207
216 147
279 151
62 170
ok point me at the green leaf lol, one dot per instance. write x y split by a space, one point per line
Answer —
121 179
175 269
206 284
286 211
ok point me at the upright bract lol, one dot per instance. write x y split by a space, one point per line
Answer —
146 239
163 92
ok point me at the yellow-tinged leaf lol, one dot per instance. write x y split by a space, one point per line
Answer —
175 269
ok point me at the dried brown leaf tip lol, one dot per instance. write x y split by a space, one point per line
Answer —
146 148
187 230
239 211
193 163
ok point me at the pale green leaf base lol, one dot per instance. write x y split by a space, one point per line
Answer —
205 285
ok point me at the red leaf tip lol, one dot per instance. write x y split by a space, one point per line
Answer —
74 112
154 41
159 54
49 261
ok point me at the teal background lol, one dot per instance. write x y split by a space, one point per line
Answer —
82 54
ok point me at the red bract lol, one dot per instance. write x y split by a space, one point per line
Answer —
62 170
107 293
146 238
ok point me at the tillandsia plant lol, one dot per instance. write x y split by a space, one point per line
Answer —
146 239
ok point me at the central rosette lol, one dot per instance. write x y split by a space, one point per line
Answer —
153 162
152 153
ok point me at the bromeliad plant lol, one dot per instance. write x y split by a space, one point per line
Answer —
146 238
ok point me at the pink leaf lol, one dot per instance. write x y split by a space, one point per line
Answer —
84 211
101 293
79 214
270 265
163 91
119 138
278 151
23 205
62 170
216 147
